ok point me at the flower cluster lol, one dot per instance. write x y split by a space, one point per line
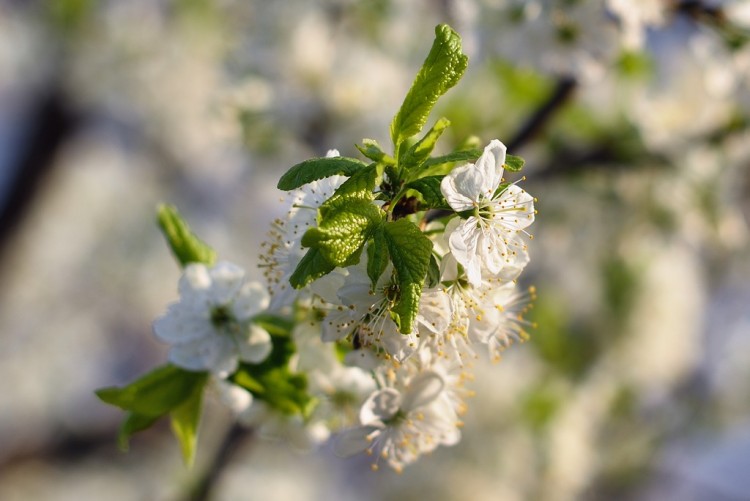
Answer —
417 396
384 281
210 328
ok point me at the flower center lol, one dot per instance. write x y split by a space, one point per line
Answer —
221 317
391 292
396 419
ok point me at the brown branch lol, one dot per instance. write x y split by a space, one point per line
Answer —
51 123
230 445
537 122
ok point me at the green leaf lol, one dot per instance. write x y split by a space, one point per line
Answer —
274 383
133 424
185 245
451 158
163 390
372 150
433 272
513 163
443 68
283 390
377 256
410 252
417 154
247 381
318 168
155 393
429 188
359 187
274 325
311 267
342 231
184 420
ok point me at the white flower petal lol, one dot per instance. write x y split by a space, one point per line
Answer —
363 358
435 310
492 251
381 406
490 164
328 286
399 346
516 259
357 293
423 389
254 346
180 325
484 323
194 286
337 325
226 280
250 300
238 399
516 208
352 441
215 354
463 243
456 198
195 278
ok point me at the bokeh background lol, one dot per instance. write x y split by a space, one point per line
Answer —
634 119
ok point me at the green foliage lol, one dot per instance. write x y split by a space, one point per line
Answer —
166 390
420 151
274 325
433 272
185 419
318 168
513 163
410 252
185 245
345 222
539 406
372 150
620 287
429 189
636 65
133 424
358 187
70 16
155 393
377 256
443 164
311 267
522 86
272 381
443 68
281 389
566 348
344 230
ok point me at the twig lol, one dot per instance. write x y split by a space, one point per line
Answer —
232 442
536 122
51 124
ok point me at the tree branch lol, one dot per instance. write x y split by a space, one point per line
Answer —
230 445
536 122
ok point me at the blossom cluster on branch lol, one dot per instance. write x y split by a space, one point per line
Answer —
384 281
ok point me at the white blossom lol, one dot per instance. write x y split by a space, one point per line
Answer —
364 313
339 390
487 238
210 328
399 422
269 423
283 250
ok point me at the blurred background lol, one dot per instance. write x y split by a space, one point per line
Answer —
633 117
